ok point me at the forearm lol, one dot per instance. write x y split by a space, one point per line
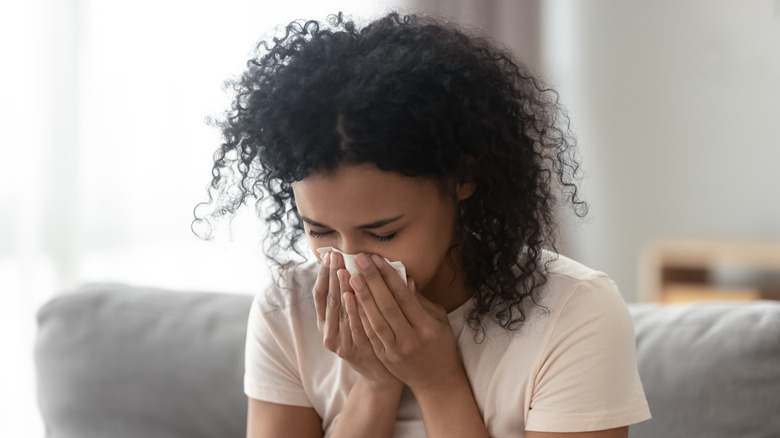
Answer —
369 411
451 410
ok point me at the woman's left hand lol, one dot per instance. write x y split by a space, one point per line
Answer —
410 335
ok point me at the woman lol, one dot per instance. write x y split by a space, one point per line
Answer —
411 141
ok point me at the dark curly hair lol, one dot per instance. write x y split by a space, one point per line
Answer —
415 96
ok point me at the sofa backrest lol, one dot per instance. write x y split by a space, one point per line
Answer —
709 369
126 362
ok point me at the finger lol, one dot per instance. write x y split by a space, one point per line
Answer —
372 317
378 302
428 306
359 338
333 303
432 309
345 338
343 275
404 296
320 290
344 286
373 339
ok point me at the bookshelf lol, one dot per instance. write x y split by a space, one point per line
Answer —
676 271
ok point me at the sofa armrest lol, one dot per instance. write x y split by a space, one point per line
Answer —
127 362
709 369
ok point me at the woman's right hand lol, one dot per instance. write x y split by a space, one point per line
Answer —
340 324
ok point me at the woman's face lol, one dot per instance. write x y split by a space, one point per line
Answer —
362 209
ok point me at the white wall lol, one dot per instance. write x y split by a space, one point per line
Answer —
105 152
677 108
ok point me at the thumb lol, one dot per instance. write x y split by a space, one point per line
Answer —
423 301
429 306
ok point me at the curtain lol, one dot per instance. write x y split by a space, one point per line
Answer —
106 151
514 23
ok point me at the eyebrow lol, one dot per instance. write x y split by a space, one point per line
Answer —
368 226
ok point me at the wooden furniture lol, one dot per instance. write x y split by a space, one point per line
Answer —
676 271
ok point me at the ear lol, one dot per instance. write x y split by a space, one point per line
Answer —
465 189
466 184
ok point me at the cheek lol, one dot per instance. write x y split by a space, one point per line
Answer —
315 243
421 269
426 255
426 267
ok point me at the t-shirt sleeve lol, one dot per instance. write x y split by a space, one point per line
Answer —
586 377
270 371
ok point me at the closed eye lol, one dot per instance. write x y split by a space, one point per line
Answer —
323 234
317 234
385 238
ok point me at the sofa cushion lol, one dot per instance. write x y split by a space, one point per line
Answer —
118 361
709 369
127 362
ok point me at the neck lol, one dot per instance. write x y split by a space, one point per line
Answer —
448 287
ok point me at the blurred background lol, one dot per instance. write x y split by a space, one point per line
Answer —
106 149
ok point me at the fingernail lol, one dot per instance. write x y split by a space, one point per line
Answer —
326 260
343 277
362 261
377 260
357 282
347 302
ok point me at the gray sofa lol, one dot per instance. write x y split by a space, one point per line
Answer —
117 361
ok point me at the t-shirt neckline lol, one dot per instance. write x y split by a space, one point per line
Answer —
457 317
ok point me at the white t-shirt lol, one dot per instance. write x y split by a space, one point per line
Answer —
571 366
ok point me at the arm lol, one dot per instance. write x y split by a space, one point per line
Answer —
372 403
271 420
451 410
361 416
620 432
413 338
366 411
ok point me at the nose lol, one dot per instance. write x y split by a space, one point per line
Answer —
351 249
352 246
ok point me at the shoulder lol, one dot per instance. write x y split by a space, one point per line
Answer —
563 268
570 283
585 372
582 306
281 335
290 289
284 299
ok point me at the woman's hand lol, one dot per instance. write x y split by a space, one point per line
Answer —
342 329
411 335
414 339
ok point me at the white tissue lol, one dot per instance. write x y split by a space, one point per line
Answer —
349 262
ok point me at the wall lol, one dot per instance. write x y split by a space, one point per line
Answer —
677 109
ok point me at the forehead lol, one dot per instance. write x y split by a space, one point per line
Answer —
362 192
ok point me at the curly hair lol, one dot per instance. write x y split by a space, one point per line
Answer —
415 96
